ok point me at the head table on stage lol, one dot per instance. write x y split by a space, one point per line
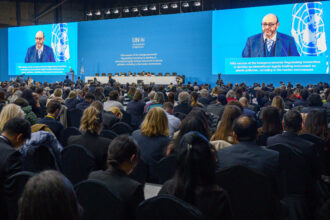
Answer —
158 80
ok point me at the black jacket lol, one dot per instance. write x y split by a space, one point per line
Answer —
130 191
98 146
183 108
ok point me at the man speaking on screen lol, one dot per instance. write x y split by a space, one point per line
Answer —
270 43
39 52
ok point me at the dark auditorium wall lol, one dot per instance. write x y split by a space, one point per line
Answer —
3 54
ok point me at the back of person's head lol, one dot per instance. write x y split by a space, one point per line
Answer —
72 94
236 103
98 105
204 93
195 166
194 97
183 97
278 102
222 99
123 149
2 94
244 101
91 120
271 121
116 111
53 105
16 126
292 121
21 102
49 195
155 123
114 95
137 96
90 97
224 130
8 112
159 98
245 128
168 106
304 94
230 94
58 92
28 95
316 123
315 100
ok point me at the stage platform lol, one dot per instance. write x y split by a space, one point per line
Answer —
158 80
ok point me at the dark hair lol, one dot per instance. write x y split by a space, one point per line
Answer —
90 96
304 94
195 166
137 96
315 100
168 105
53 105
236 103
246 128
171 97
121 149
21 102
292 121
316 123
28 95
271 121
114 95
49 195
18 126
2 95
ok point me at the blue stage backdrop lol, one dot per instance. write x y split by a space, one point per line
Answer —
61 42
307 23
168 43
3 54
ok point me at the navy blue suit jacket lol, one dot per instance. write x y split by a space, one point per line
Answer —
284 46
46 56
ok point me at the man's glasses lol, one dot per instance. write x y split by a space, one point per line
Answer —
268 24
39 38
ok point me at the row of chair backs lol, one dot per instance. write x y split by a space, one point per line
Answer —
250 192
166 168
73 117
42 158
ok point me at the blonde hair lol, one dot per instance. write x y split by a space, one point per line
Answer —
58 92
91 120
155 123
8 112
116 111
278 102
72 94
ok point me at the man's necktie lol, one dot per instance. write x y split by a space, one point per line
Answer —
39 54
269 44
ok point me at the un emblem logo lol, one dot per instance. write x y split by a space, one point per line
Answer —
308 29
60 42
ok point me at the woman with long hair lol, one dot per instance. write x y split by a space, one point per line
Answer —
152 139
271 124
194 100
8 112
91 126
225 131
135 108
278 102
194 179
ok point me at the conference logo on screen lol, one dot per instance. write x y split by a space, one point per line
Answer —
60 42
308 29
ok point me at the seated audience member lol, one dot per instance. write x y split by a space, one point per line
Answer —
246 110
173 122
157 101
194 100
29 114
246 152
292 127
271 125
123 156
49 195
8 112
42 96
33 100
91 126
230 96
89 98
183 105
113 101
53 111
303 101
194 179
148 100
286 99
194 121
224 131
116 111
152 139
314 103
135 108
278 102
204 100
14 134
218 107
72 100
57 95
